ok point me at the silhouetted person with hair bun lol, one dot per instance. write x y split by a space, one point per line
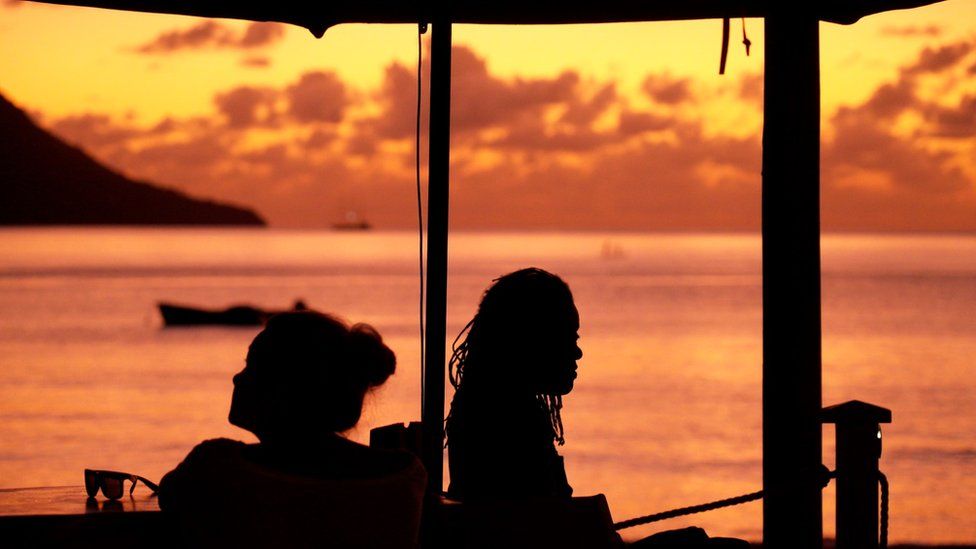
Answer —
303 484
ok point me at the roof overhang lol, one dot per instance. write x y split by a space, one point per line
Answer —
319 16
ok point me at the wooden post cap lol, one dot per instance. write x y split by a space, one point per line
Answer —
855 411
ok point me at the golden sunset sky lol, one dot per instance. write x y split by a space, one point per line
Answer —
622 126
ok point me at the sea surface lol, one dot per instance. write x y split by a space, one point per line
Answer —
666 411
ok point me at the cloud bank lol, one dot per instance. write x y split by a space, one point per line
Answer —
563 151
213 35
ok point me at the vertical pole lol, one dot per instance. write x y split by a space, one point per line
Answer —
792 505
437 212
858 452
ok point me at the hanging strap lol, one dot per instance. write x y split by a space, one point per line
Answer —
725 45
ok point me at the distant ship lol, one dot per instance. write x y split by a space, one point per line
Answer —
352 223
353 226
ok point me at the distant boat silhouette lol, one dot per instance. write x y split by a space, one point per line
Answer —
237 315
611 250
352 223
352 226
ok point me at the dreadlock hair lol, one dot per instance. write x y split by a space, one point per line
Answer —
501 314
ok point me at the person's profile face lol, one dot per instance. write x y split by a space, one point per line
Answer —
243 403
557 350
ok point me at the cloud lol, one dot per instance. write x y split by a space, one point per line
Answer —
480 99
664 89
892 99
317 97
246 106
878 174
202 34
933 60
865 143
212 34
397 98
320 138
93 130
632 123
928 31
535 137
256 62
957 121
584 111
261 34
750 88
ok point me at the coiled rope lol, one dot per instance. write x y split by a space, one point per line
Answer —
883 480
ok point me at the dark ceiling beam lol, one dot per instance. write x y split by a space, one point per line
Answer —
317 17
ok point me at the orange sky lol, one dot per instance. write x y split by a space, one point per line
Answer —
624 126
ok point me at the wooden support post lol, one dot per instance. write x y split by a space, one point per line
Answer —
437 214
792 505
858 451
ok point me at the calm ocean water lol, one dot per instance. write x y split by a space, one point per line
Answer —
666 412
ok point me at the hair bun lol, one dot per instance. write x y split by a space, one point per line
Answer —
369 356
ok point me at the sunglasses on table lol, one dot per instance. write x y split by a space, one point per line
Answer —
111 483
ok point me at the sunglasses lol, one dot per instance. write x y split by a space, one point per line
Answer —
111 483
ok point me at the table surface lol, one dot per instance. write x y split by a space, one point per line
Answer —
72 500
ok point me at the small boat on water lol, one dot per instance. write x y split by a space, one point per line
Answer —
352 222
352 226
237 315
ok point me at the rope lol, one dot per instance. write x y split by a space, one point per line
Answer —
823 479
420 213
883 543
680 512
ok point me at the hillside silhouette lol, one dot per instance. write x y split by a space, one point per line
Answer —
45 181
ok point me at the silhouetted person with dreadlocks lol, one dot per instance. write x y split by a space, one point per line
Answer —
515 361
511 366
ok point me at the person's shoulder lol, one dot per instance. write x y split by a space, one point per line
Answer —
393 471
378 462
220 444
403 462
218 452
203 461
217 447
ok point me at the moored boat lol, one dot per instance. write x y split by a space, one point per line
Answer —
237 315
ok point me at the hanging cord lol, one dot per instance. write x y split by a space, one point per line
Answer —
725 45
883 480
421 29
823 478
726 23
745 39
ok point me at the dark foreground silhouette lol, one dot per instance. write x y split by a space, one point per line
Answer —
511 367
303 484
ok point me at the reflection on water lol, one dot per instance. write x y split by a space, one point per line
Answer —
666 412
